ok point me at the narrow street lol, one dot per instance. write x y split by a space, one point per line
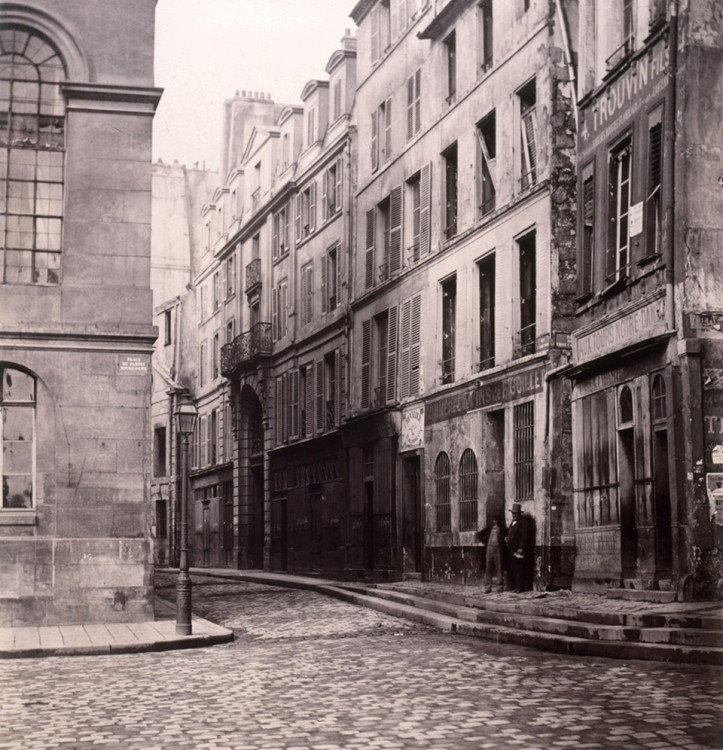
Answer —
307 671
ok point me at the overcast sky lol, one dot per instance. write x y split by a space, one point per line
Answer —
206 50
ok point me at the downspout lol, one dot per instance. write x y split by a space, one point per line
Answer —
669 168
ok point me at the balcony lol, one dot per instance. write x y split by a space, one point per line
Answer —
253 276
245 348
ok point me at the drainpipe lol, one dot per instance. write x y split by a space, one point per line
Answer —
669 167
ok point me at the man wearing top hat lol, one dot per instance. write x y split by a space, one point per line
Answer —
521 548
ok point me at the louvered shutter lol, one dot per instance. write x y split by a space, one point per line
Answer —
337 387
337 186
294 403
375 34
425 208
283 310
326 196
339 259
369 256
405 342
387 129
410 107
309 292
324 266
656 156
395 234
298 219
312 206
275 235
392 316
274 314
417 99
309 400
320 395
375 142
415 343
366 356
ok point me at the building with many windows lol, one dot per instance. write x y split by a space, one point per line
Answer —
76 327
646 353
463 281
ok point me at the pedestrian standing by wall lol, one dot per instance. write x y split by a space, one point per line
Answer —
492 538
521 546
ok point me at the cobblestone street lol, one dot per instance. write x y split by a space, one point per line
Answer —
307 671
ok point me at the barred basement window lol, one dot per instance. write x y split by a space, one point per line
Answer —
468 485
17 434
524 430
443 507
32 145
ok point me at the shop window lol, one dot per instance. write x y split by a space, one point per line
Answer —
17 433
524 445
32 145
443 505
468 488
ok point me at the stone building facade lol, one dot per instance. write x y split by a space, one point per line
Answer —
76 328
646 351
463 281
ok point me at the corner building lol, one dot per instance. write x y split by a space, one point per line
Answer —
646 351
76 330
463 283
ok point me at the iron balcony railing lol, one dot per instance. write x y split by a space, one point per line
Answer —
253 275
246 347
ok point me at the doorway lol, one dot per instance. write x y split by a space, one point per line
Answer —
411 527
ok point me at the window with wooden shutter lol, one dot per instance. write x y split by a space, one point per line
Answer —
449 315
487 312
405 348
275 236
338 200
586 261
528 294
277 410
425 211
294 404
366 362
375 142
337 386
324 302
653 203
487 140
528 133
320 396
415 344
369 255
450 189
298 231
275 314
387 109
392 315
312 206
413 104
395 232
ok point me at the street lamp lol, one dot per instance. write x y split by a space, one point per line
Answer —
185 414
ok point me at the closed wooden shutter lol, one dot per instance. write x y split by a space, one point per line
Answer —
410 107
395 234
387 129
369 256
309 400
375 142
425 208
405 341
312 206
392 316
337 387
298 218
324 267
320 395
415 343
294 403
366 356
274 314
337 186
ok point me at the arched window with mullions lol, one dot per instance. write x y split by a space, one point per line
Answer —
468 485
17 434
32 145
443 506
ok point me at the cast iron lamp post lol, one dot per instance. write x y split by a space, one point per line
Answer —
185 414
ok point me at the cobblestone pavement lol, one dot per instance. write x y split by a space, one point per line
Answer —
308 671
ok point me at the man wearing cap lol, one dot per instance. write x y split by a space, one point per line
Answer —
521 546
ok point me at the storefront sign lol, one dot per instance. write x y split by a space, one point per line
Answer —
412 428
637 325
641 79
486 394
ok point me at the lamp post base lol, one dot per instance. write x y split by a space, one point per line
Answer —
183 604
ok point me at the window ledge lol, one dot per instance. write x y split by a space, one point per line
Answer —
12 517
648 259
614 288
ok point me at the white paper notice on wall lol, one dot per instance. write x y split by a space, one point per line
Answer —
636 219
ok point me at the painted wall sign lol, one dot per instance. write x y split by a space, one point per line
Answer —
412 428
134 364
498 391
637 325
625 93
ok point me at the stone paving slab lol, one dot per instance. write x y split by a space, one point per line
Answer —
106 638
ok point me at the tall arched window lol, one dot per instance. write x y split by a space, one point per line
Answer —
443 506
468 482
32 144
17 434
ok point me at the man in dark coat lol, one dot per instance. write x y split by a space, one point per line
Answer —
521 546
492 538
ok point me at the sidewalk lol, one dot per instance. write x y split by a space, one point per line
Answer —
110 638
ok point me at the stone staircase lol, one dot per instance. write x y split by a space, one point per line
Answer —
662 632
